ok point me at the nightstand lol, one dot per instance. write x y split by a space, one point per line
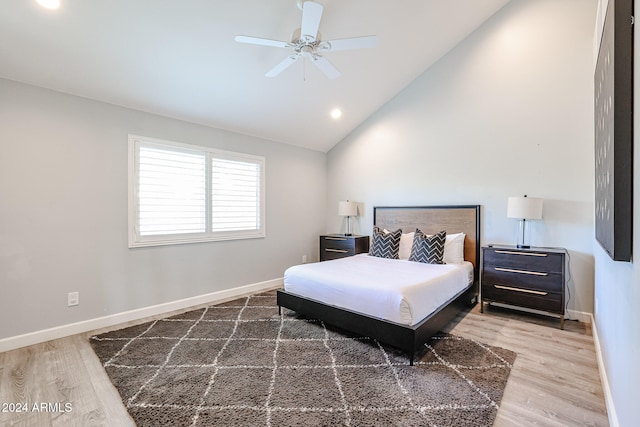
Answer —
333 246
532 278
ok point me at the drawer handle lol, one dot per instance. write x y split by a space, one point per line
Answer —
521 253
527 291
342 239
340 251
509 270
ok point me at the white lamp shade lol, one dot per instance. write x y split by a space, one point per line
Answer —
347 208
524 208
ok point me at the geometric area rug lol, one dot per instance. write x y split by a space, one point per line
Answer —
239 363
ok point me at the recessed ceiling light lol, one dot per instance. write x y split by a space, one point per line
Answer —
336 113
49 4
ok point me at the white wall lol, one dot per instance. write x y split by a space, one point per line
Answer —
63 213
508 112
617 299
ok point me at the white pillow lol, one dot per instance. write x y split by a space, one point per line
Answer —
453 248
406 243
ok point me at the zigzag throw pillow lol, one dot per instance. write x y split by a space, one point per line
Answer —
428 249
385 245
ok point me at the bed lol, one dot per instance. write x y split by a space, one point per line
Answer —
310 290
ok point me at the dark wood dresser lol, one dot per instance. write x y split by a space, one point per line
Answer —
532 278
334 246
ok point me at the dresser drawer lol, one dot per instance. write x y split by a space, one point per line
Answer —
338 246
329 254
551 302
340 243
524 260
521 278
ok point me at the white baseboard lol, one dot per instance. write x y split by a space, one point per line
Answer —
37 337
580 316
608 399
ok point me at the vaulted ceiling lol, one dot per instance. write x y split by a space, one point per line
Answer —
178 58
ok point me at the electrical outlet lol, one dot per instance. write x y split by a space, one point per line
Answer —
304 259
73 298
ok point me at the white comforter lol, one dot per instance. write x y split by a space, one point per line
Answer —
397 290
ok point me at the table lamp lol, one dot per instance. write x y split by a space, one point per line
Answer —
524 208
348 209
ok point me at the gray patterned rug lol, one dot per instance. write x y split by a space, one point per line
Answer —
240 363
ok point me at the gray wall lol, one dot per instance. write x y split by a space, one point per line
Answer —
63 213
617 298
508 112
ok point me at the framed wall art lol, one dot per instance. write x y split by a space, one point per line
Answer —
613 92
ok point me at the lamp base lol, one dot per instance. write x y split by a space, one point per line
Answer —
520 241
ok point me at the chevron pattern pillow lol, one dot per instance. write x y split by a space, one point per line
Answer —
385 245
428 249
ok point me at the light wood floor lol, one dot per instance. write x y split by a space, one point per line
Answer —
554 381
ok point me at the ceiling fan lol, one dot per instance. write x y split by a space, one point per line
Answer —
307 44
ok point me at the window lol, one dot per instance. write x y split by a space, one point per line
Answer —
182 193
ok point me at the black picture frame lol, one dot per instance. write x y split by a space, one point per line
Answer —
613 90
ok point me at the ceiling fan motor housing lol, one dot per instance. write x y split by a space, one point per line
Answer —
306 42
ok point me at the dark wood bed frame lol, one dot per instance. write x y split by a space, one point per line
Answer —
429 219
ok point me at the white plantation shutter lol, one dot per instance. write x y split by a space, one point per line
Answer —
171 191
235 193
181 193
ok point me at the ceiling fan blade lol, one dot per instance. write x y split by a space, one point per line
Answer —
350 43
311 15
326 67
282 66
260 41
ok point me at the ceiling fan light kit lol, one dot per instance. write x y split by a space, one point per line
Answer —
306 43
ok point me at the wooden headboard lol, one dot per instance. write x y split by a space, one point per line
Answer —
432 219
